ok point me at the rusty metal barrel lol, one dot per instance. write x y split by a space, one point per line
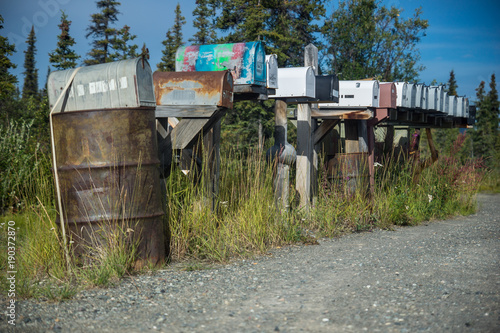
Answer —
106 159
350 171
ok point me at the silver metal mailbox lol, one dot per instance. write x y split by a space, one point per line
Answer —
460 107
296 84
410 97
466 108
272 71
432 99
452 105
401 91
119 84
446 103
359 93
419 96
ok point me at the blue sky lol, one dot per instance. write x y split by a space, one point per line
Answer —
462 35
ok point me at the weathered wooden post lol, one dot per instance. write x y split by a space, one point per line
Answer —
306 155
284 153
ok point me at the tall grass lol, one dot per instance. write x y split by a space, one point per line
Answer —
247 221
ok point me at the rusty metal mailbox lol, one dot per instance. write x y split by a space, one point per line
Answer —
327 89
120 84
194 88
297 84
388 95
246 61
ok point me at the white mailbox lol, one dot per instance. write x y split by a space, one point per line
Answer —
297 84
452 105
359 93
272 71
419 96
410 97
460 107
432 99
401 91
446 103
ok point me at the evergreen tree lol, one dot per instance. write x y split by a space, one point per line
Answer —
103 33
30 87
368 40
121 44
7 80
452 84
494 105
482 138
172 42
204 14
64 57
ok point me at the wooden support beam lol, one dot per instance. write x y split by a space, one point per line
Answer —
190 111
341 114
326 126
304 155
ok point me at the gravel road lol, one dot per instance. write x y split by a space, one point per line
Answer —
438 277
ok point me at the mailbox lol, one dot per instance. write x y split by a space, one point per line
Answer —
439 106
410 97
119 84
388 95
246 61
460 106
419 96
297 84
194 88
401 92
433 99
359 93
446 103
466 107
327 89
272 71
452 106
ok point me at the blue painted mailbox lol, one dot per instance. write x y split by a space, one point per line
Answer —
246 61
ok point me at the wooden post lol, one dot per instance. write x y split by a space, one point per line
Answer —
307 156
212 146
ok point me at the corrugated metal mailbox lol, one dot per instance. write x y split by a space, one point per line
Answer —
327 89
401 92
460 107
246 61
296 84
106 156
452 106
194 88
117 84
419 96
410 96
272 71
359 93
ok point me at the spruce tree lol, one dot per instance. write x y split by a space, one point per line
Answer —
7 80
204 15
30 87
452 84
494 105
64 57
121 44
172 42
104 35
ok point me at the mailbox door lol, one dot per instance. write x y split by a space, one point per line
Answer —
388 95
401 92
327 89
272 71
